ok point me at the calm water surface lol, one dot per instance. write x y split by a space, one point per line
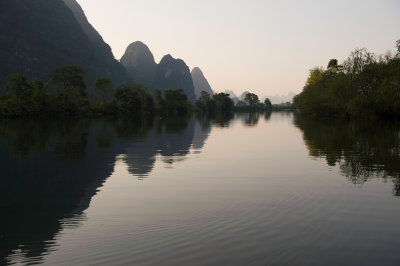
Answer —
256 189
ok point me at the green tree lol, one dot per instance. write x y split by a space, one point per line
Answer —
103 89
366 86
333 63
20 87
68 77
222 103
71 95
316 74
203 102
176 101
357 61
160 102
28 97
134 98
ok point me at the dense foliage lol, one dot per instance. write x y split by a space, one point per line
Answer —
364 85
66 95
218 103
251 102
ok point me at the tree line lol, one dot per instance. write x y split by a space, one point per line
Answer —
66 95
221 102
363 85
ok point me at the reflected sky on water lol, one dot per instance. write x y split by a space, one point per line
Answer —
248 189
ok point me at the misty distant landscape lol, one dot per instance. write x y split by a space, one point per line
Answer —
199 133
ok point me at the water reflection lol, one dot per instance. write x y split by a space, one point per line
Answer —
363 150
52 169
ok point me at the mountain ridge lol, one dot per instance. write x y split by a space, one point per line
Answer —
200 82
36 37
139 63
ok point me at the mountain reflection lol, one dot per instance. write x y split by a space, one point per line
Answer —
363 150
52 169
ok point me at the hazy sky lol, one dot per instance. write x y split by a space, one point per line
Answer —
266 47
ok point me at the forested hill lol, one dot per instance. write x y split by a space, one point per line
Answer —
38 36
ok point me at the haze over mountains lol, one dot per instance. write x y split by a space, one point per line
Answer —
275 99
174 74
36 37
170 73
200 82
139 62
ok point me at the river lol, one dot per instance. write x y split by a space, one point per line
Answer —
252 189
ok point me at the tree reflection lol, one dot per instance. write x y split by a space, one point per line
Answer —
249 119
52 169
221 119
363 150
267 115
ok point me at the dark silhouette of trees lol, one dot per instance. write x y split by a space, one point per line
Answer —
268 104
27 97
252 100
103 90
134 98
66 95
203 102
333 64
176 101
71 97
221 102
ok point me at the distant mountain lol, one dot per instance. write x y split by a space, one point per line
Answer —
174 74
38 36
277 99
232 95
139 63
200 82
243 95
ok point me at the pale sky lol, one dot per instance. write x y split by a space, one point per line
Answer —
266 47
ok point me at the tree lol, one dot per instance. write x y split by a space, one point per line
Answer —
71 95
20 87
358 60
68 77
28 97
134 98
222 103
203 101
160 102
333 64
251 99
316 74
366 86
268 104
176 101
103 89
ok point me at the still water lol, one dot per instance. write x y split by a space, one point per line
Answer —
253 189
